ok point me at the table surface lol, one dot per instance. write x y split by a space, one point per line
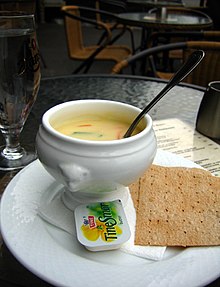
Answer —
187 20
153 3
181 102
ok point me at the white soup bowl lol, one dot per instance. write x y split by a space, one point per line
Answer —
95 167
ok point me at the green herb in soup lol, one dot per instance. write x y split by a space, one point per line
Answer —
94 128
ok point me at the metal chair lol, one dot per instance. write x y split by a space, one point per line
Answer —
167 37
105 51
115 7
208 70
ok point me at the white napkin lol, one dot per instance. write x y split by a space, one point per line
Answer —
54 212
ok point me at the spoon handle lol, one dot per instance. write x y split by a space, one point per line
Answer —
193 60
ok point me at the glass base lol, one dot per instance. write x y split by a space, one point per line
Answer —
13 164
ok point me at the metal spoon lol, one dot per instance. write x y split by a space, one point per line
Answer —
193 60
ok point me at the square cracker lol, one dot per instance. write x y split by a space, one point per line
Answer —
177 206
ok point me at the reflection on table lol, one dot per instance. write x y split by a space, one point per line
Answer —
182 103
173 19
146 4
159 3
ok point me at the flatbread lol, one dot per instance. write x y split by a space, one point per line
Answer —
177 206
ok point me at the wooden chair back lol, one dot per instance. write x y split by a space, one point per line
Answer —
74 34
77 49
209 69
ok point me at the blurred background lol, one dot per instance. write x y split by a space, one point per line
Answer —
52 37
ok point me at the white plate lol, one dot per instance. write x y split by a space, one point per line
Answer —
58 258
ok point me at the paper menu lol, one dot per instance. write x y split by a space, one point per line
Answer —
180 138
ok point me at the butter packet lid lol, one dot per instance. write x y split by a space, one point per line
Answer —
102 225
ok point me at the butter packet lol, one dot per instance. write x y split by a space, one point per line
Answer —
101 225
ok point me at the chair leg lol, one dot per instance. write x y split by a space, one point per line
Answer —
133 68
89 61
43 61
132 40
114 39
120 34
103 36
86 65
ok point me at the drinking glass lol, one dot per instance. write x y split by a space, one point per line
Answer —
19 84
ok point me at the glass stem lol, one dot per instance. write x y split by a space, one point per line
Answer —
13 150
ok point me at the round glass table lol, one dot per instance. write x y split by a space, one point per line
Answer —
165 19
169 19
135 90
